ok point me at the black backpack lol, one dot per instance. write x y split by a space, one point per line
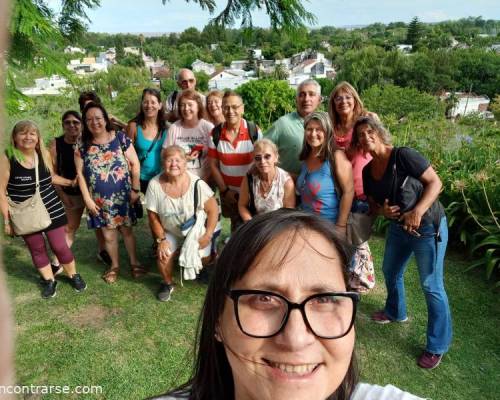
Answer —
252 131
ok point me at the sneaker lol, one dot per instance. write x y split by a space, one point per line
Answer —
380 317
165 291
48 288
56 269
104 257
429 360
78 283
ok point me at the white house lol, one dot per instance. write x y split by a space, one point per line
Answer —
89 65
226 80
73 50
131 50
201 66
238 64
468 104
46 86
404 48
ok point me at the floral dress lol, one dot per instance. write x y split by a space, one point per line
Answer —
106 171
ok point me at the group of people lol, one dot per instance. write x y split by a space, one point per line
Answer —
179 153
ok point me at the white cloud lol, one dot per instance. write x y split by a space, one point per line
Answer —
434 16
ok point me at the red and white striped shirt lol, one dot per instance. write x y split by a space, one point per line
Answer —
235 158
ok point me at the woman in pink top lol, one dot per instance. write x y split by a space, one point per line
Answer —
192 133
344 108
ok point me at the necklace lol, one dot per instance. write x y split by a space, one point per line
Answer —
265 187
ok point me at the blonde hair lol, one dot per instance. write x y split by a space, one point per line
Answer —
172 150
41 150
262 143
359 108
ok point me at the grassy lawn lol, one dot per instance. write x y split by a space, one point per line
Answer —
121 338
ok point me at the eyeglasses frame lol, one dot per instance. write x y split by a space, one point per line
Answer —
235 294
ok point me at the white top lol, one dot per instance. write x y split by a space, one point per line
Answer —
174 212
274 198
188 138
363 391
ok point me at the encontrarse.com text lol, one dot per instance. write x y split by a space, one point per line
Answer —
50 389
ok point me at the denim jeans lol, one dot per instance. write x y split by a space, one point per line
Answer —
429 255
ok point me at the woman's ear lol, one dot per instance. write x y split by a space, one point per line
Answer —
217 334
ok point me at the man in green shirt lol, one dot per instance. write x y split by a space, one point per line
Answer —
288 131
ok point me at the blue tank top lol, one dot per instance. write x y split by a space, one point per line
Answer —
317 191
150 162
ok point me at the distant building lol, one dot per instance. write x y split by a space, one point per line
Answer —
467 104
73 50
201 66
131 50
495 47
227 80
89 65
404 48
239 64
46 86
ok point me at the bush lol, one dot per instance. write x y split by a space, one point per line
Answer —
398 102
266 100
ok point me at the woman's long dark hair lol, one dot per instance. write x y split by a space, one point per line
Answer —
86 134
212 377
160 118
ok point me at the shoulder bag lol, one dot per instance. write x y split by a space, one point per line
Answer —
29 216
359 226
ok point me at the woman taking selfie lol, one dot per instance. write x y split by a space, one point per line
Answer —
273 330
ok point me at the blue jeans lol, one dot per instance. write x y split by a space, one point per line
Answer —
429 255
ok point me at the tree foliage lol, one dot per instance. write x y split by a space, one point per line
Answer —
397 102
266 100
415 31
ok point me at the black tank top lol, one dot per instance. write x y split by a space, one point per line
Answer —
21 186
66 164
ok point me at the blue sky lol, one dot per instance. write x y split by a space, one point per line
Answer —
176 15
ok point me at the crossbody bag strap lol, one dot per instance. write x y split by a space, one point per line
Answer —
394 185
157 137
196 196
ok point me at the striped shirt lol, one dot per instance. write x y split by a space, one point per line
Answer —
235 158
21 186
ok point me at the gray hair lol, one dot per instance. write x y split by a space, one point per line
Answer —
373 123
312 82
181 71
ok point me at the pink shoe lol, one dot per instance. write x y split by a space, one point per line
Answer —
380 317
429 360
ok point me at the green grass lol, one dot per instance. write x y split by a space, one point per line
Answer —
121 338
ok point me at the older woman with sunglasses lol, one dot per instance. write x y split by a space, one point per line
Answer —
266 187
272 329
421 229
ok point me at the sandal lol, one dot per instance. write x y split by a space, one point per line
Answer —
138 271
111 275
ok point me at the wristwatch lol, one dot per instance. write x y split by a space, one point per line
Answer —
159 240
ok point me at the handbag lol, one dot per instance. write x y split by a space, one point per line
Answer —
188 224
407 195
29 216
359 228
359 225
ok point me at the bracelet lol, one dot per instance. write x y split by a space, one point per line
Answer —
6 222
136 190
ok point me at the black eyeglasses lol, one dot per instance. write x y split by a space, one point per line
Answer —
262 314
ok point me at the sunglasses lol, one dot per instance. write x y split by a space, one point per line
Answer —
260 157
186 81
71 122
